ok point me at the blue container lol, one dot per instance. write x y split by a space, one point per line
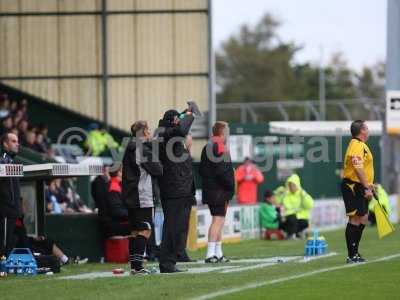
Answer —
21 262
316 245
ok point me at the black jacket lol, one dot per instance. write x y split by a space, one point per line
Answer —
10 195
139 173
218 181
177 181
99 192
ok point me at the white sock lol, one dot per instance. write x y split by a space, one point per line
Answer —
211 249
218 249
64 259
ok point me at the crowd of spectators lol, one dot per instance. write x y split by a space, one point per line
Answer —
61 197
14 118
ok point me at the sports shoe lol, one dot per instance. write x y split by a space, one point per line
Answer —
223 259
141 272
360 259
352 260
211 260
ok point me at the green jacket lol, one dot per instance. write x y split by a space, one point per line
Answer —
300 202
383 199
268 216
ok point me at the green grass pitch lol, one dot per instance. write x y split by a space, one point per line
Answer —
325 278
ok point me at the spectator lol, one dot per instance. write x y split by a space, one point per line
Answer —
13 107
40 145
99 190
118 214
52 203
23 129
4 106
44 130
95 142
248 177
30 140
41 245
297 203
269 213
6 124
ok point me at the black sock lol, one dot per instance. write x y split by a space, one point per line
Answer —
360 231
137 246
352 233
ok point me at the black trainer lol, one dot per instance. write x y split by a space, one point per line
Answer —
211 260
360 259
223 259
352 260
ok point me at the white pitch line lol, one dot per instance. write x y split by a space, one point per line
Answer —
259 266
284 279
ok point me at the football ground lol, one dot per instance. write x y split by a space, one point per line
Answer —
259 270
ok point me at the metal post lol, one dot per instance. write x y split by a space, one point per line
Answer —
322 96
104 55
211 73
390 161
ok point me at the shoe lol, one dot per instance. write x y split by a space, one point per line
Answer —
171 270
223 259
352 260
291 237
360 259
211 260
81 261
141 272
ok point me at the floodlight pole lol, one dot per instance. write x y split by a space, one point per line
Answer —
390 168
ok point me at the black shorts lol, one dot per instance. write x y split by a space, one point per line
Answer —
218 210
141 218
354 200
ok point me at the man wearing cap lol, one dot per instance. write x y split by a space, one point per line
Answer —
176 185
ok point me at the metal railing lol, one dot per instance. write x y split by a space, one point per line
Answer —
252 111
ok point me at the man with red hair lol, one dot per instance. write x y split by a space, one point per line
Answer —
218 187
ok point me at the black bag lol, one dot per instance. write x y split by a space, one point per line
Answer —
48 261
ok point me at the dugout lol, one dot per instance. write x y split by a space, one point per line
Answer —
274 142
77 234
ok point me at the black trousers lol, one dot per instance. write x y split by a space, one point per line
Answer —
290 225
175 228
8 239
181 253
301 225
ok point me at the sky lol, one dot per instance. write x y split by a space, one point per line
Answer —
357 28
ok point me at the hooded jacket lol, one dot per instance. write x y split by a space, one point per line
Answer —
139 175
218 179
10 195
177 181
300 202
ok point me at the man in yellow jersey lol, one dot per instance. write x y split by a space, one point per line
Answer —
357 187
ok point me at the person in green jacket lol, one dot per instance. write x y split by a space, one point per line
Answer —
297 204
269 216
383 200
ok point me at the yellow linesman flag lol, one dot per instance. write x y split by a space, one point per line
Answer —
383 223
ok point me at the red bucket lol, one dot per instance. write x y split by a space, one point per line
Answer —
117 250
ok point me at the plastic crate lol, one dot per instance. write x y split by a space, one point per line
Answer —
21 262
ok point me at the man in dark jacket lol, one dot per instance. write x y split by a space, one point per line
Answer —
99 191
176 185
218 181
140 169
115 208
10 199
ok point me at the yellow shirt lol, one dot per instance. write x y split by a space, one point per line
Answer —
358 156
